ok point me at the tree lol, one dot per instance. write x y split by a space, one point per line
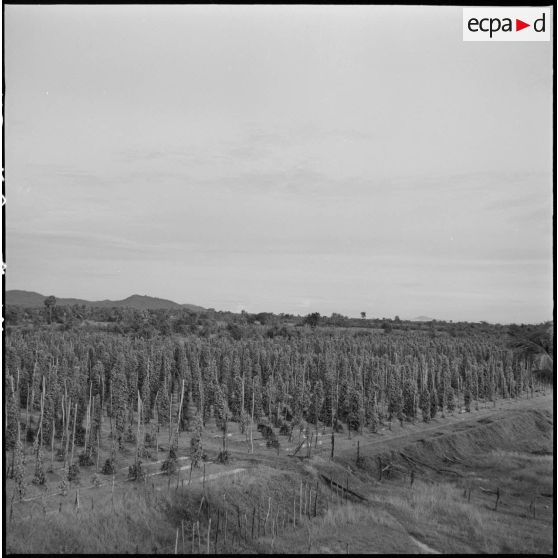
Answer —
312 319
119 399
535 346
363 315
50 303
196 446
425 404
409 399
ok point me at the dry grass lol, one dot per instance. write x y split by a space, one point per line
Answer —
435 513
137 524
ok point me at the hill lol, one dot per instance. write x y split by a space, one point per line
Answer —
31 299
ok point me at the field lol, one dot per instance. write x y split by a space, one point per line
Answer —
345 442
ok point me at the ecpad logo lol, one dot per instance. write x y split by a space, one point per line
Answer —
506 24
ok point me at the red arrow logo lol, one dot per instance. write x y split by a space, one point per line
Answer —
519 25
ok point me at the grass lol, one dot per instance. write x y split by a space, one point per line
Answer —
137 524
145 517
443 517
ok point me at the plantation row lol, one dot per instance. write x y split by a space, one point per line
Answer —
361 380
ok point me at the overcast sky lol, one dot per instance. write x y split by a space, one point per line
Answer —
286 159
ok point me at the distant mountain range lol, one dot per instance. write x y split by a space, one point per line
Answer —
31 299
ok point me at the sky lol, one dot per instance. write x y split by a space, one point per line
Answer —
279 158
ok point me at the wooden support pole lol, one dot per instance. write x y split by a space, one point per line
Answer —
74 435
52 446
208 534
267 515
300 502
217 530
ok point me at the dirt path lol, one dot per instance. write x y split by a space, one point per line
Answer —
424 547
410 433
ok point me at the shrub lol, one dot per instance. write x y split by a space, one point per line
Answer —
73 472
273 442
267 431
39 477
285 430
109 468
169 466
135 471
85 459
130 436
224 457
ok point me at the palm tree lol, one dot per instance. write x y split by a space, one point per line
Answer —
536 346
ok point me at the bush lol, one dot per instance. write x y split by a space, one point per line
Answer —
39 477
273 442
73 472
130 436
267 431
285 430
85 459
80 436
135 471
169 465
109 468
224 457
145 453
149 440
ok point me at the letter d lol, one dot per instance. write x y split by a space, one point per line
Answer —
542 21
